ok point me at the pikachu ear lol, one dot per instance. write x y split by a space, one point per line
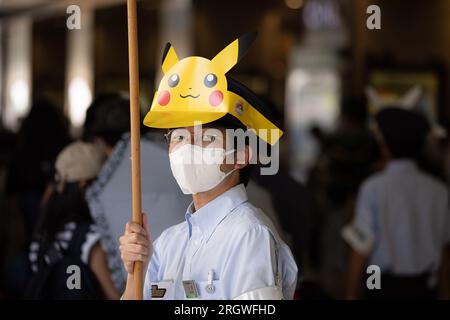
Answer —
230 56
169 58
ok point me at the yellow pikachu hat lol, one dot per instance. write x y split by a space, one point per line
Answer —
194 91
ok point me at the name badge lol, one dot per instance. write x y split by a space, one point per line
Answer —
163 290
190 289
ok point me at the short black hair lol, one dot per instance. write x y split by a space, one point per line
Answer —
108 117
404 132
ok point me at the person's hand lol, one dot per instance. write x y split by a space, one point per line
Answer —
135 245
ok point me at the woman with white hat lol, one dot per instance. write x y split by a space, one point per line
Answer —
66 256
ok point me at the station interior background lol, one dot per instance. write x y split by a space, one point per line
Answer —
313 59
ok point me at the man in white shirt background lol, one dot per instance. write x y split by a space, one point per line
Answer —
402 217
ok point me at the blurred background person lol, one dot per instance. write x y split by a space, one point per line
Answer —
43 133
66 235
348 155
107 119
402 222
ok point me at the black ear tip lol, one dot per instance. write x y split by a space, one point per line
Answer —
245 42
166 50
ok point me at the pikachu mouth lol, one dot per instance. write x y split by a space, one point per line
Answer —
189 96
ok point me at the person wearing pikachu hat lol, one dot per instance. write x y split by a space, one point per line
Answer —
226 248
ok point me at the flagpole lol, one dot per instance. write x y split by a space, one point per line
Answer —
133 59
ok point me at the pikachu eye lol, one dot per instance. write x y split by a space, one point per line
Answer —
210 80
173 80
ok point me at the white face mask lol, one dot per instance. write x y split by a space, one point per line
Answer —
197 169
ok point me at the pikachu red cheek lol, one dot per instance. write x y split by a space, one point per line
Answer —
216 98
164 98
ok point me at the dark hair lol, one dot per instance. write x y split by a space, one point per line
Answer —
43 134
108 117
61 208
404 132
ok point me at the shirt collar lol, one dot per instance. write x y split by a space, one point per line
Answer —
401 165
210 215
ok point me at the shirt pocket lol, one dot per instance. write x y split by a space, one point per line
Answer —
163 290
210 291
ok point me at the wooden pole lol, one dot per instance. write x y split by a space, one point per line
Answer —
133 59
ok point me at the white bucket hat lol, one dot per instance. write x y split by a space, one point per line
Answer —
78 161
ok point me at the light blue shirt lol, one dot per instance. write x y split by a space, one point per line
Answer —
406 213
229 237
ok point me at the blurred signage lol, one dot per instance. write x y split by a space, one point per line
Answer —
322 14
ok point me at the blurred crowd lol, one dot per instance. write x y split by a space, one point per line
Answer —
42 195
